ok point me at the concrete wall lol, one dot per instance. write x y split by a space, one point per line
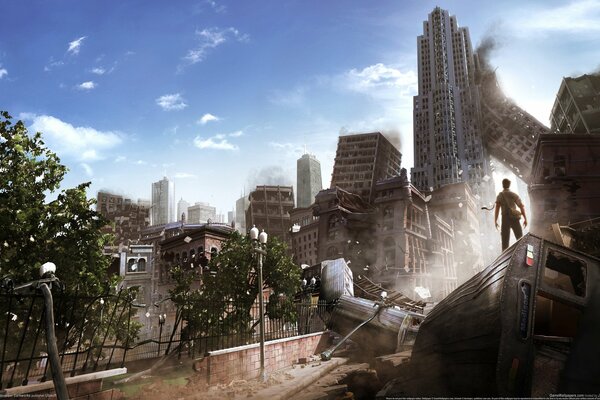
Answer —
243 362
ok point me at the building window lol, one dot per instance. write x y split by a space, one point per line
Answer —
560 165
136 265
334 221
332 251
388 212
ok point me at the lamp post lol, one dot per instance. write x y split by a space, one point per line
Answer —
259 244
44 284
161 322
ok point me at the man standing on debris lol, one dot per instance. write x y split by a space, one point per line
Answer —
511 217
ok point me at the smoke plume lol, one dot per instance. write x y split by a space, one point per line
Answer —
490 42
393 135
270 175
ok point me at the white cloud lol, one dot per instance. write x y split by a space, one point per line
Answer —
184 175
218 8
3 72
236 134
381 81
88 170
120 159
211 38
75 45
80 143
170 102
293 98
581 16
206 118
98 71
52 64
89 85
216 142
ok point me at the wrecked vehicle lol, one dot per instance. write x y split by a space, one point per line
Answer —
526 326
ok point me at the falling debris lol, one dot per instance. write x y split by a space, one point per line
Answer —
486 178
424 293
187 239
460 205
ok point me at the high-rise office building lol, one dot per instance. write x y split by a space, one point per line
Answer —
448 144
577 106
241 205
308 183
361 160
182 210
201 212
163 202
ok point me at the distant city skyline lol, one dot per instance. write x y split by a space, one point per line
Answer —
220 96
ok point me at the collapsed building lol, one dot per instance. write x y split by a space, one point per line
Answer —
394 241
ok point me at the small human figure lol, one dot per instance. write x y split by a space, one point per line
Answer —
509 201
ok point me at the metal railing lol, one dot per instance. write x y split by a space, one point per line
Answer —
92 332
229 330
100 332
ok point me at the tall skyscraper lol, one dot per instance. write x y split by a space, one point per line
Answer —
241 205
448 146
308 179
361 161
182 210
163 202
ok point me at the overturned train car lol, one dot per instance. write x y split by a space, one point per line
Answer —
528 325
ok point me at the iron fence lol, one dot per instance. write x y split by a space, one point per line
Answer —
93 332
193 337
100 332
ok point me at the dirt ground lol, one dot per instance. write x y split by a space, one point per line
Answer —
180 384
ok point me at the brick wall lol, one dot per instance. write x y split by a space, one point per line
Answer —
243 362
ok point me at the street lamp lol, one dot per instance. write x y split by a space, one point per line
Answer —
47 278
161 322
259 244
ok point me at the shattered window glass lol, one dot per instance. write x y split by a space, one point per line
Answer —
565 273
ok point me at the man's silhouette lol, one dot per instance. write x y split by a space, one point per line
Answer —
509 201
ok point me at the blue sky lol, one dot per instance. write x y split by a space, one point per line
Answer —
222 95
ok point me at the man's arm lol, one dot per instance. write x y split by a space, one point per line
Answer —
522 208
496 212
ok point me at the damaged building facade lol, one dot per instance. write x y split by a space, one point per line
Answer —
269 209
393 241
577 105
361 160
304 236
458 206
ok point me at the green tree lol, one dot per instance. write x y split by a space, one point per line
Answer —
65 231
222 304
